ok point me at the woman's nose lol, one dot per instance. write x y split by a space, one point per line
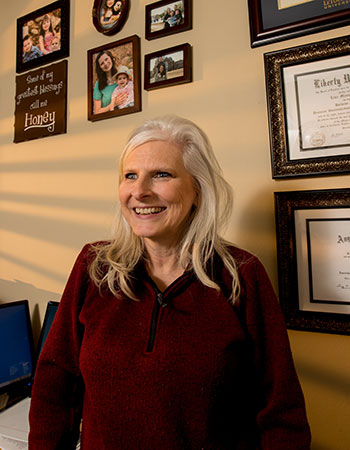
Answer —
142 188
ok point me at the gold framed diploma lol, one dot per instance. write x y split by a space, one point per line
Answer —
308 93
313 242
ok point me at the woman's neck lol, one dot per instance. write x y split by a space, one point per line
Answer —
163 265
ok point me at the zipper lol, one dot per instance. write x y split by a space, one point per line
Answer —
159 303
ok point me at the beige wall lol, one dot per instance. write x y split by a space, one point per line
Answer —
58 193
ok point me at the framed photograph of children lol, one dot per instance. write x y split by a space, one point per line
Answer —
109 16
114 80
168 67
168 17
43 36
313 249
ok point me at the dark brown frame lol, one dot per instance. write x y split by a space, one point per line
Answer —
307 25
285 205
187 66
118 24
186 25
282 166
64 6
135 41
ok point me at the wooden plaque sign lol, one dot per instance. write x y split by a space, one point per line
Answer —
41 102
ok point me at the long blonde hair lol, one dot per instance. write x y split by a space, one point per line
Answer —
116 260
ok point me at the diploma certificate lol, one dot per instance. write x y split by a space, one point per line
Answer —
317 100
323 254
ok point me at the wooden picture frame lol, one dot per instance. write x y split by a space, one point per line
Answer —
43 36
168 67
313 249
307 89
122 59
168 17
272 21
109 19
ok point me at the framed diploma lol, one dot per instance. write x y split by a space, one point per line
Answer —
276 20
313 246
308 95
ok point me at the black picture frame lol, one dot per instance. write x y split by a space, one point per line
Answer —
158 22
30 25
282 69
177 64
126 56
294 210
113 24
269 22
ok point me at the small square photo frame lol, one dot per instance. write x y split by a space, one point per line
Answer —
168 17
114 81
109 16
43 36
168 67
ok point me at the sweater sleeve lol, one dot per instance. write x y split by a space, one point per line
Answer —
281 417
54 415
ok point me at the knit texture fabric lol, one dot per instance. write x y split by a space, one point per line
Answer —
197 374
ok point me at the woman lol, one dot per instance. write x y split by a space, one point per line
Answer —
105 84
175 334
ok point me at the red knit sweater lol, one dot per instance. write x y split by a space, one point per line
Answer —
196 373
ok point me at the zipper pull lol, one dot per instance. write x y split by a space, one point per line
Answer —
162 303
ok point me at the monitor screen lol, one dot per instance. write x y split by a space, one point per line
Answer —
48 319
16 353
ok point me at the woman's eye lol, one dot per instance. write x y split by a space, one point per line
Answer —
163 174
130 176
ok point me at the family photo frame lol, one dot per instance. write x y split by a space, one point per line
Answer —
277 20
313 250
114 80
168 17
109 16
168 67
308 91
43 36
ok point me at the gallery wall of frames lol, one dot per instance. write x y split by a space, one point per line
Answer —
308 106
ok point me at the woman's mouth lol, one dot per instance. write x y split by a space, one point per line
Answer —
151 210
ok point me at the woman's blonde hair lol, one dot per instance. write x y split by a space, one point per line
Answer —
116 260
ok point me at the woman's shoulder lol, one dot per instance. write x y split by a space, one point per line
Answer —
246 262
91 249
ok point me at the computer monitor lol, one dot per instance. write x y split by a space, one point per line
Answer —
50 312
17 350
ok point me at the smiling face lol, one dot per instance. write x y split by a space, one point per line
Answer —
46 23
105 62
157 193
122 80
27 45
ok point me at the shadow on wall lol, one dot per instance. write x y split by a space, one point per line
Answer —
318 375
14 291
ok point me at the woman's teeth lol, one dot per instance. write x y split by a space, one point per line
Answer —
145 211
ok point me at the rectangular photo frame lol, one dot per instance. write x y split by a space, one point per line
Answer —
114 80
308 91
277 20
168 67
313 250
168 17
43 36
